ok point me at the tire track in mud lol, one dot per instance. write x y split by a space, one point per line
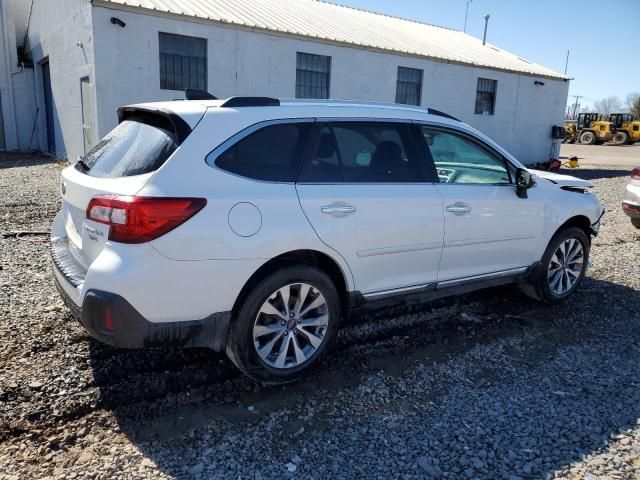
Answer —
129 380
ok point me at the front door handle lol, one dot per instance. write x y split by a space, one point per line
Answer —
338 210
459 208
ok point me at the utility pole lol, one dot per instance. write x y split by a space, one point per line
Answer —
486 23
466 14
576 104
566 64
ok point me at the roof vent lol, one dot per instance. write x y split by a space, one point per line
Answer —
234 102
195 94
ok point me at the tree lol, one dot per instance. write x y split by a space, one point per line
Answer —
633 103
608 105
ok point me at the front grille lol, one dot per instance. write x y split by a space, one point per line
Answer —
72 270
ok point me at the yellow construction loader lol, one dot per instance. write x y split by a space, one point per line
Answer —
627 129
594 129
589 128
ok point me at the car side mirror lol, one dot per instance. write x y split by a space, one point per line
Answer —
524 181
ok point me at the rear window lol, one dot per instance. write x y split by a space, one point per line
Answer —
132 148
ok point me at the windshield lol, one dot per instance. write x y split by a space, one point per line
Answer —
132 148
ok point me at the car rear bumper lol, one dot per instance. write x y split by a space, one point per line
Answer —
110 318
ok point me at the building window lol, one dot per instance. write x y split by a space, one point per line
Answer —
409 87
486 96
313 73
183 62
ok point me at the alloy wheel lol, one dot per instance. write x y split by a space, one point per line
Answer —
291 325
565 266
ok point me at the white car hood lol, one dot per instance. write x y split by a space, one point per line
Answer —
562 180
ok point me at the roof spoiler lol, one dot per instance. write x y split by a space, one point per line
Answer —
158 117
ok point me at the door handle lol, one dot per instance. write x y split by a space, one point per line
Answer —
338 210
459 208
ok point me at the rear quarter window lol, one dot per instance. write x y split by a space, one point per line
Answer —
134 147
272 153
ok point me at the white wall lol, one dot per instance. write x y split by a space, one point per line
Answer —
16 86
242 62
62 32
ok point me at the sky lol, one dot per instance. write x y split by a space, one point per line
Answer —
600 34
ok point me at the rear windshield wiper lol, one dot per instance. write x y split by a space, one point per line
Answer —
83 165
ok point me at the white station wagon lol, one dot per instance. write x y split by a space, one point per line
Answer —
255 225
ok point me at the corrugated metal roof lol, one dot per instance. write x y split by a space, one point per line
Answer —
326 21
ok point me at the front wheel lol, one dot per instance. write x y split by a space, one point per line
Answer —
286 325
635 222
562 267
587 138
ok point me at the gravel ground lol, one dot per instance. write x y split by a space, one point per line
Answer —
489 385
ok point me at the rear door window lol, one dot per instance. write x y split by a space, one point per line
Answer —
367 152
134 147
272 153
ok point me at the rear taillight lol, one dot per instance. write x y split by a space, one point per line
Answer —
141 219
635 173
628 207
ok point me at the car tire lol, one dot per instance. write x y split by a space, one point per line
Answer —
557 278
635 222
275 342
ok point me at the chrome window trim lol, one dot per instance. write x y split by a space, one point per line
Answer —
408 121
213 155
397 184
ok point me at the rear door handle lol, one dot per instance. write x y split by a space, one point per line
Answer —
459 208
338 210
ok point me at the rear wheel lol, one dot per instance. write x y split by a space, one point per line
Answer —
588 138
620 138
562 267
635 222
286 325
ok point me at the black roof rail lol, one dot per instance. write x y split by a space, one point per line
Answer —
250 102
195 94
431 111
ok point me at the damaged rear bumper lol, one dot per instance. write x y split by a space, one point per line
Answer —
111 319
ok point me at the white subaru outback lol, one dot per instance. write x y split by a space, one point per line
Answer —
255 225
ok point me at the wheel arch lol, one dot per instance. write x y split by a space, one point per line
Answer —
581 221
313 258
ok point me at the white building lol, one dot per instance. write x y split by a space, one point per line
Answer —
97 55
17 102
